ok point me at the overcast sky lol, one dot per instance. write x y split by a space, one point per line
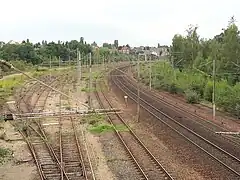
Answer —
136 22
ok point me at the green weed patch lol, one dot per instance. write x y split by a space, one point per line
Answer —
5 155
103 128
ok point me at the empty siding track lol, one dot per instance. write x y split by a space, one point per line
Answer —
73 152
66 162
149 167
229 160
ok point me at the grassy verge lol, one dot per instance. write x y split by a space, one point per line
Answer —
9 83
194 86
97 124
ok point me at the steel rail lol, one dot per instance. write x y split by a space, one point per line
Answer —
120 85
168 176
180 109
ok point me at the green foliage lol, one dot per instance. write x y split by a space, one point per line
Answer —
102 128
5 155
97 124
192 96
172 88
86 89
191 52
208 90
190 68
39 52
9 83
39 69
21 65
223 93
7 86
194 85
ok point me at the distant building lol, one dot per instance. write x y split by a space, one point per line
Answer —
153 51
124 49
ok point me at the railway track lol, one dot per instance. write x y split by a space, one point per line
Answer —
148 166
182 114
73 153
227 160
204 128
39 146
62 163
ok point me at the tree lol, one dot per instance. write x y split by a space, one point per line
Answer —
36 53
192 52
106 45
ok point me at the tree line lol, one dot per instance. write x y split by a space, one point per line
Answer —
39 52
193 52
190 68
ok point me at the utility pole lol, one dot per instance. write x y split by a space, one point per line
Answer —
103 61
86 61
50 66
77 72
59 61
80 66
150 73
79 75
214 87
69 55
173 66
90 81
138 91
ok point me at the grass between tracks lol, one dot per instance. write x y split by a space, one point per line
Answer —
99 125
5 155
9 83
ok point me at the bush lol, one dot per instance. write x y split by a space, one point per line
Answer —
195 86
172 88
237 110
192 96
208 90
224 95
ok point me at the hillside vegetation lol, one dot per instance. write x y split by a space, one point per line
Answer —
189 69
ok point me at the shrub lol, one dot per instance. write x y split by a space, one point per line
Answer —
199 88
224 95
208 90
195 86
192 96
237 110
172 88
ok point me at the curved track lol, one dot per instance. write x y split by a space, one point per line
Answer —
51 163
148 166
150 104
